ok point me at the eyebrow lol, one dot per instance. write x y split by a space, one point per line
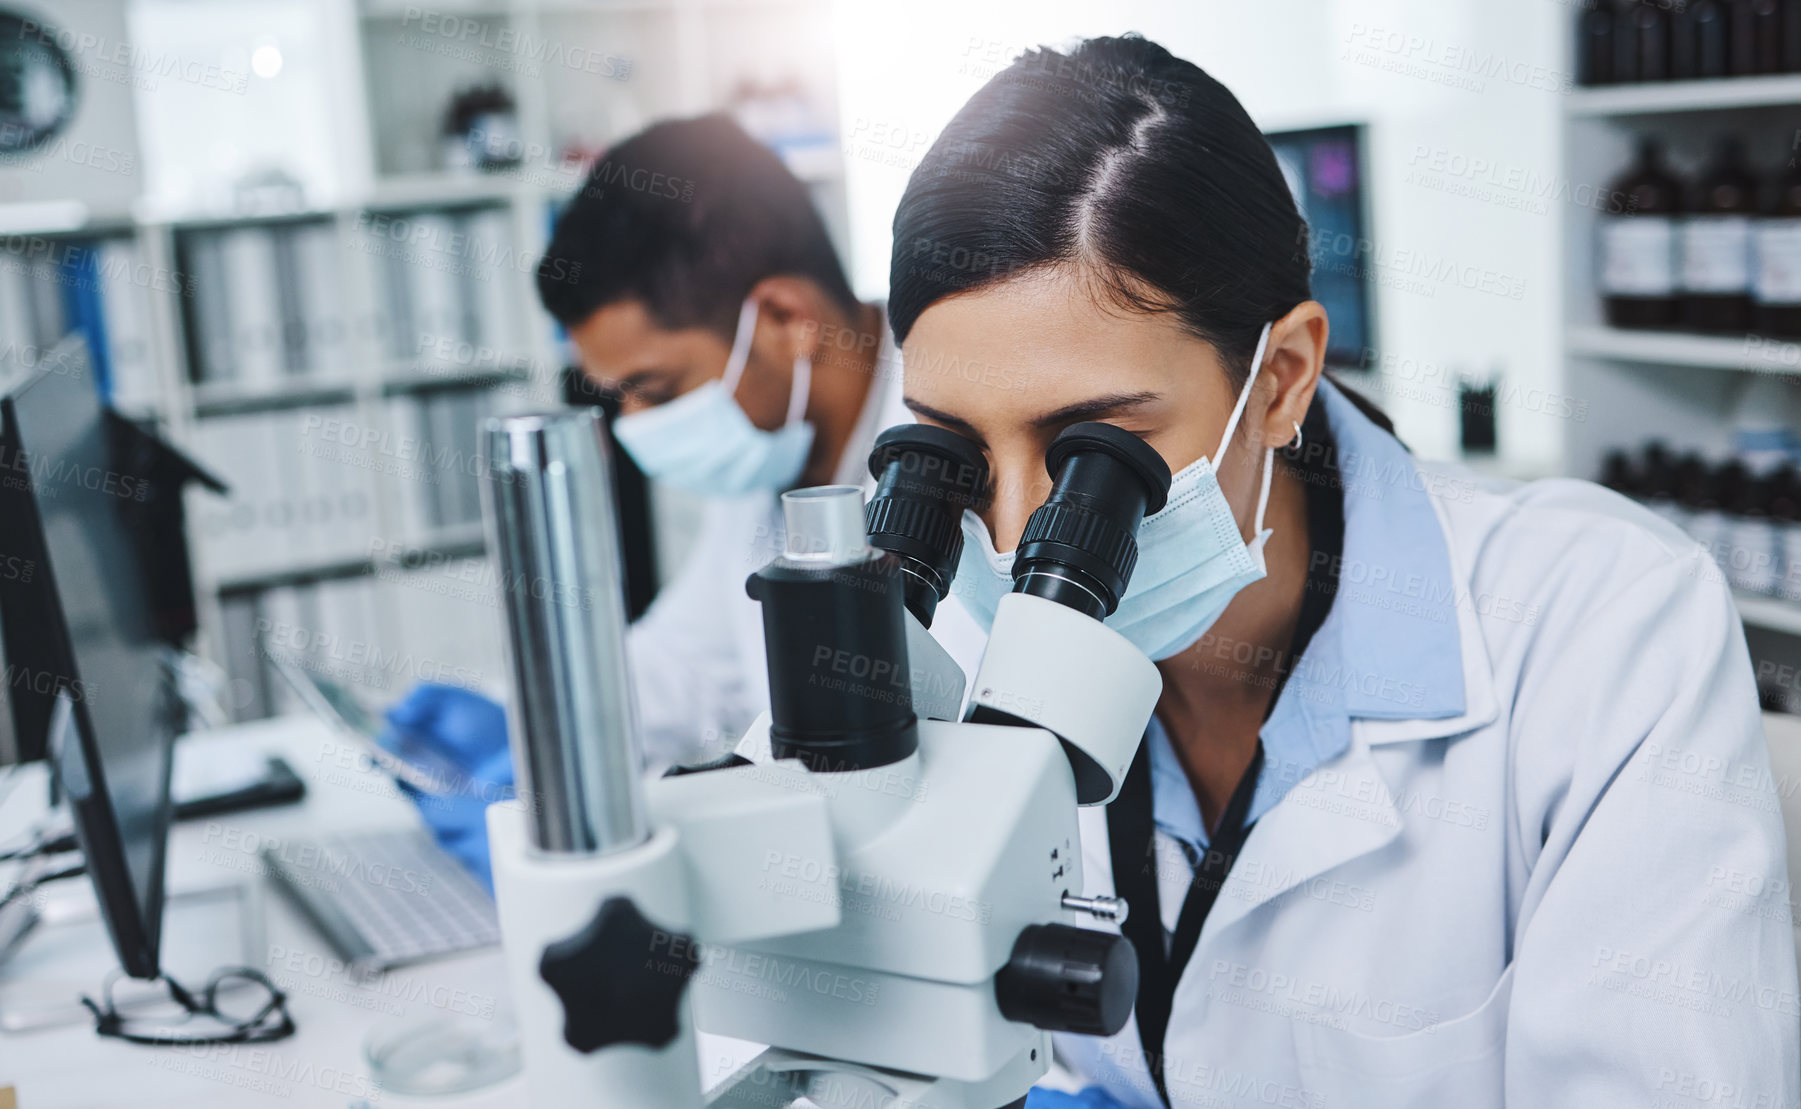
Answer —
638 379
1108 404
1095 406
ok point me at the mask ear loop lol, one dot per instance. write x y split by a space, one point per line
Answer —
1244 396
1269 454
747 330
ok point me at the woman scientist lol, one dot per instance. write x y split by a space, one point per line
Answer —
1454 789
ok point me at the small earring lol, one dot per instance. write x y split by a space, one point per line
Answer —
1296 445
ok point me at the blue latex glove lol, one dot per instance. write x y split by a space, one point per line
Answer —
470 731
1092 1098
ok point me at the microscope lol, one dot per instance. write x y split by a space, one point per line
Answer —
883 886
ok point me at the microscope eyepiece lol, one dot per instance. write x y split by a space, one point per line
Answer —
925 478
1080 547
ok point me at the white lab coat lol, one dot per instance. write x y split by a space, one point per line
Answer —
1572 894
697 654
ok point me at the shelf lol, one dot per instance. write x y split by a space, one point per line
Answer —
1740 353
296 575
1770 613
438 190
1783 90
418 377
468 541
231 398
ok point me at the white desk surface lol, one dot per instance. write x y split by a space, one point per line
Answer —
322 1064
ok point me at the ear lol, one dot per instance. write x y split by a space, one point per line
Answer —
1292 365
793 310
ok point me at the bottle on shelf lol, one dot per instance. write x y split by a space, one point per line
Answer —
1749 522
1619 474
1785 515
1698 493
1625 42
1659 483
1594 37
1715 244
1699 40
1756 27
1750 553
1647 22
1776 285
1791 36
1637 247
1761 437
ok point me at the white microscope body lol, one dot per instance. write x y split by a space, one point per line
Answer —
884 899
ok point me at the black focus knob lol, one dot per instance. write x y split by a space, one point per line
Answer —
620 979
1065 979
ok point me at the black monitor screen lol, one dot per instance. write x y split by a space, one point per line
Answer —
1324 169
95 634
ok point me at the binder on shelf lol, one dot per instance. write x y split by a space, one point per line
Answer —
491 279
18 330
425 296
125 309
292 333
281 617
449 621
319 267
47 301
248 697
348 640
210 339
248 266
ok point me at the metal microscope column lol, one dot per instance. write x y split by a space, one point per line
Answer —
579 847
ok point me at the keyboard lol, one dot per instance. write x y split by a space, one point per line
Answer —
384 899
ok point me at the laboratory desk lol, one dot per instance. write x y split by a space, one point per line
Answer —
322 1064
69 1067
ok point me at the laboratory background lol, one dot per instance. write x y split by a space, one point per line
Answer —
294 243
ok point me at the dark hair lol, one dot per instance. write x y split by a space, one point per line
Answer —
685 216
1120 159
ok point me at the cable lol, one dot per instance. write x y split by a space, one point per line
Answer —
41 846
30 884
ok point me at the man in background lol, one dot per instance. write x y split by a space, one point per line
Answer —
697 281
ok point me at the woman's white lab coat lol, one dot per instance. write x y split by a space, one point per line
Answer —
1571 893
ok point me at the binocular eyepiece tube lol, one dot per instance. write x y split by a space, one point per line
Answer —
1081 545
925 478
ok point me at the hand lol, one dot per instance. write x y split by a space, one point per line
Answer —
459 724
470 731
1092 1098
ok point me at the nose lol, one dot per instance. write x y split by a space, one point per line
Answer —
1018 491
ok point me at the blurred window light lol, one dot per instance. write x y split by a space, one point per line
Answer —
265 61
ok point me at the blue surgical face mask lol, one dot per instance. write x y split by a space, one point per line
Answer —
1191 559
703 442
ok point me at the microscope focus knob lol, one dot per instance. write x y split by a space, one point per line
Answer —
1065 979
620 979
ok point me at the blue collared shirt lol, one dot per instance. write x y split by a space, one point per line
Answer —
1388 649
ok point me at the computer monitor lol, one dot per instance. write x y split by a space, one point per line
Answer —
1324 170
80 625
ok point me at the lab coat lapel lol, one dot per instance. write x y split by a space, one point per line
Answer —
1339 812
